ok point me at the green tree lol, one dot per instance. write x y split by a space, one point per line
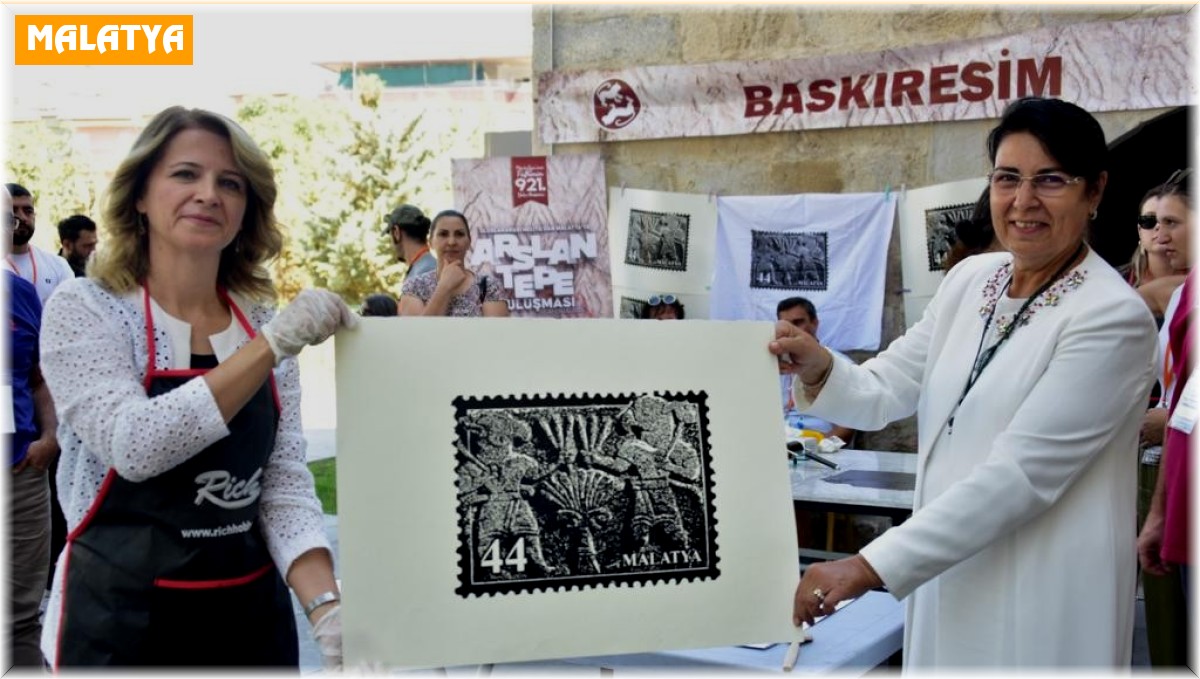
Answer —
43 158
341 168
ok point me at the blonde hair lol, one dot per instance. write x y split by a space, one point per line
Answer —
124 262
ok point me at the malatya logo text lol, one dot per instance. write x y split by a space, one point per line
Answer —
103 40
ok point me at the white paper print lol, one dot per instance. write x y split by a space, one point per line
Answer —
927 216
573 487
661 242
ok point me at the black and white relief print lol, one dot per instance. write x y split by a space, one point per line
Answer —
658 240
633 308
789 261
939 231
562 491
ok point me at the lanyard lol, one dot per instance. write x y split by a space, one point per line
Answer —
984 357
420 253
32 261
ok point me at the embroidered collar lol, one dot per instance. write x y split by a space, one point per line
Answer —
998 283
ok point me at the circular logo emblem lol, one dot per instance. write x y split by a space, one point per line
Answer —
615 104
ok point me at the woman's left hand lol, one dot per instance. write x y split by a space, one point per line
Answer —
826 584
328 635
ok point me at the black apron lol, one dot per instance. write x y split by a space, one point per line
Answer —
174 571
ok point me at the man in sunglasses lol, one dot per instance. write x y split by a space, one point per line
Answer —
663 308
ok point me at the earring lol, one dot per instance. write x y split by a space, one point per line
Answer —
1095 212
143 224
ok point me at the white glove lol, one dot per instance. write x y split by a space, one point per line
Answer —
328 635
310 319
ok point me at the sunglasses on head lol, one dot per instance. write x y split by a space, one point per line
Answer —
661 299
1147 222
1179 176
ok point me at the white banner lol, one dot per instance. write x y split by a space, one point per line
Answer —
830 249
538 225
1101 66
927 217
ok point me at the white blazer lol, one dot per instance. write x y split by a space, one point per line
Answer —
1021 547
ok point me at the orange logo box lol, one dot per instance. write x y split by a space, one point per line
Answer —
103 40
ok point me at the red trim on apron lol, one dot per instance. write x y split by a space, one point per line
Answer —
249 331
213 584
111 476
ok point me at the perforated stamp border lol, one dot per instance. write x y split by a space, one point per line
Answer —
785 270
607 506
635 240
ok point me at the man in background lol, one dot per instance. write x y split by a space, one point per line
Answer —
801 313
33 444
408 229
77 234
45 270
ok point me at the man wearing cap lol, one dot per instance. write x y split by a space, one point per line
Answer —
408 228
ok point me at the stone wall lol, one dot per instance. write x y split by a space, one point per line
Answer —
860 159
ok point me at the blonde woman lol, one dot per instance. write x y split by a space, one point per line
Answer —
183 477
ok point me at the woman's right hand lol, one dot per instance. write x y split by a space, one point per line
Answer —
310 319
800 353
451 276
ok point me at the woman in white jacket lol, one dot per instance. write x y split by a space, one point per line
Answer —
1028 373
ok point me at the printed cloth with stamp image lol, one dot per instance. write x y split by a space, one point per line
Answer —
789 261
583 490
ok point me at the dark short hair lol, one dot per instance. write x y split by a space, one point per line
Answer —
379 304
976 232
792 303
677 305
17 191
69 228
1069 134
410 220
1154 192
450 213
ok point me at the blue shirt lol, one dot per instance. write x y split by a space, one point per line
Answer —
424 264
25 321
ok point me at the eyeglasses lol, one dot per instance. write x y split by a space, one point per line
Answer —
1147 222
655 300
1044 184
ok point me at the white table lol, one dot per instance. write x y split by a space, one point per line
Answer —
860 636
812 491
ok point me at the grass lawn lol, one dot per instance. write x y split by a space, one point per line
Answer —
325 474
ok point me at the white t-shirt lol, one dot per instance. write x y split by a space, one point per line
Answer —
51 270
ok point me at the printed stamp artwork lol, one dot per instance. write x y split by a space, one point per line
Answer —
583 490
789 261
658 240
632 307
939 231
